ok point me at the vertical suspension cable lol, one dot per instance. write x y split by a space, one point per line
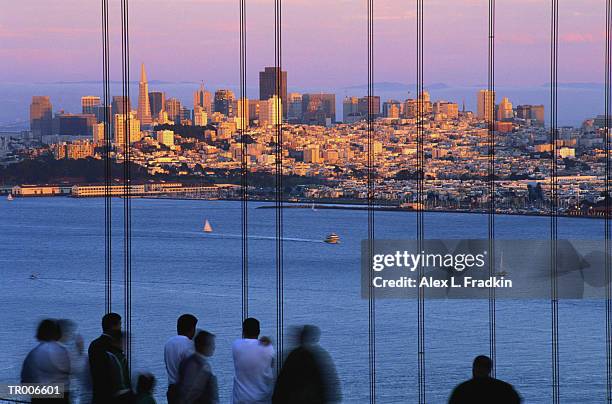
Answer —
278 116
370 187
608 207
127 236
554 50
243 103
420 219
491 183
107 163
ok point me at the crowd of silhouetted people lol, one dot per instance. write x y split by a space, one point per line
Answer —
307 376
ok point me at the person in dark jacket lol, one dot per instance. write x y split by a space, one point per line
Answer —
308 375
120 381
99 359
482 388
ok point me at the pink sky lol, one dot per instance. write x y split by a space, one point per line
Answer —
324 41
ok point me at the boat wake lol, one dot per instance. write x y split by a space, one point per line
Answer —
255 237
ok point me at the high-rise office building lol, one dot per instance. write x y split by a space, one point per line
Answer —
450 109
224 102
270 111
486 105
200 117
41 116
242 114
350 110
534 113
362 105
202 98
120 105
89 104
504 110
120 127
73 124
144 107
319 109
294 107
268 84
391 109
173 109
157 101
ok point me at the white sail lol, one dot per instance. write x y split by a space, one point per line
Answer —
207 227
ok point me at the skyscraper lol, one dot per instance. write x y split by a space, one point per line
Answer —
294 107
504 110
486 105
89 104
41 116
319 109
224 102
119 106
267 85
144 108
173 108
202 98
120 128
362 106
157 100
270 111
350 110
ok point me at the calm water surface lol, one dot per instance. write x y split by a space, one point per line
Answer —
177 268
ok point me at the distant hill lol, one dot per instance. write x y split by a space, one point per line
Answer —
395 86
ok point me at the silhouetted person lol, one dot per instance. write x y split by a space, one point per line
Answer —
308 375
253 361
120 382
99 360
144 389
73 342
482 388
197 382
48 362
176 350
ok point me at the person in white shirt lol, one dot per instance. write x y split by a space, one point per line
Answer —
253 366
49 361
176 350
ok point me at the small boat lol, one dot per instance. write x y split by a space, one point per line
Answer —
332 239
313 207
207 227
501 273
34 276
9 197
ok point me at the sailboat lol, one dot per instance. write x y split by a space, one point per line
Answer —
9 197
313 207
207 227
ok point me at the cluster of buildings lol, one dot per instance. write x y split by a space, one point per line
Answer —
160 133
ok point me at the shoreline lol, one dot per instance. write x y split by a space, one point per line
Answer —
344 205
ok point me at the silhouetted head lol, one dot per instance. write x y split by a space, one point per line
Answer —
310 335
145 384
482 366
111 322
186 325
118 338
48 330
250 328
204 343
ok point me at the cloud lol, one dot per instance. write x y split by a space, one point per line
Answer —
578 37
